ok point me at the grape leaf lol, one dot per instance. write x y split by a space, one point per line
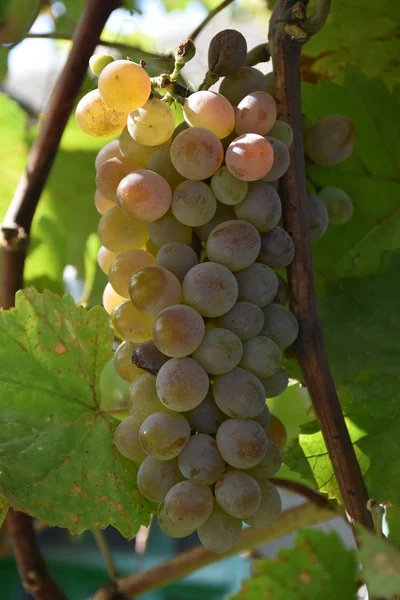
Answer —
381 564
3 511
319 566
57 458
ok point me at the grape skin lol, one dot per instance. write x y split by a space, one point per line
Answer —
182 384
219 352
222 214
206 417
277 433
111 299
261 207
211 111
111 173
242 82
256 113
200 460
227 188
249 157
281 160
257 284
318 218
153 288
242 444
124 266
97 119
282 295
163 435
196 153
105 258
144 195
331 140
167 230
156 477
178 258
220 532
113 391
238 494
141 154
277 248
126 440
102 203
338 205
270 464
193 203
227 52
152 124
210 288
261 356
276 384
178 331
280 325
168 527
143 400
110 150
245 319
160 162
283 132
123 362
239 394
270 507
130 324
189 504
124 85
234 244
118 232
97 62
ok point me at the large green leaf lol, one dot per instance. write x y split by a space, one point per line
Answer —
319 566
381 565
57 457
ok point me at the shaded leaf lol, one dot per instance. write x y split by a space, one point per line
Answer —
3 511
381 564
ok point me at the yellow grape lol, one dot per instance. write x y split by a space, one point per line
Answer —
105 258
118 232
95 118
124 266
168 229
153 288
130 148
123 362
124 85
144 195
111 299
102 203
196 153
153 123
211 111
130 324
160 162
97 62
110 174
110 150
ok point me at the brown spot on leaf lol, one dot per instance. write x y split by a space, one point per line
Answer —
304 577
74 518
60 348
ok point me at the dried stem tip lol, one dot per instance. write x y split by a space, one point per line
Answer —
185 51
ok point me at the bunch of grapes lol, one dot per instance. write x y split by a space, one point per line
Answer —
191 240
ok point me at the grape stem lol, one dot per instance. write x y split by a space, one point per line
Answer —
309 346
106 553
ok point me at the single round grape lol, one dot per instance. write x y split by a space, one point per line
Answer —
178 258
270 507
189 504
105 258
244 319
219 352
276 384
96 118
249 157
222 214
131 149
113 391
262 206
283 132
318 217
164 435
124 85
143 400
234 244
168 527
124 266
196 153
111 299
276 432
281 160
193 203
239 394
144 195
270 464
200 460
277 248
118 232
256 113
269 82
338 205
126 440
153 288
102 203
261 356
156 477
227 52
264 418
160 162
148 357
331 140
123 362
168 229
282 295
257 284
280 325
220 532
182 384
97 62
178 330
210 288
153 123
111 173
238 84
227 188
242 444
238 494
130 324
110 150
211 111
206 417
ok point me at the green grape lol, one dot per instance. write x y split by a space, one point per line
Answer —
178 331
124 266
227 188
96 118
277 248
168 527
282 295
156 477
234 244
242 444
241 82
110 150
118 232
219 352
196 153
123 362
143 400
105 258
111 173
281 160
280 325
102 203
283 132
124 85
276 384
130 324
244 319
261 207
153 288
269 82
270 507
227 52
111 299
189 504
256 113
182 384
318 217
238 494
178 258
153 123
163 435
193 203
126 440
270 464
144 195
200 460
222 214
97 62
261 356
168 229
210 288
331 140
239 394
211 111
131 149
206 417
258 284
338 205
249 157
160 162
220 532
113 389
